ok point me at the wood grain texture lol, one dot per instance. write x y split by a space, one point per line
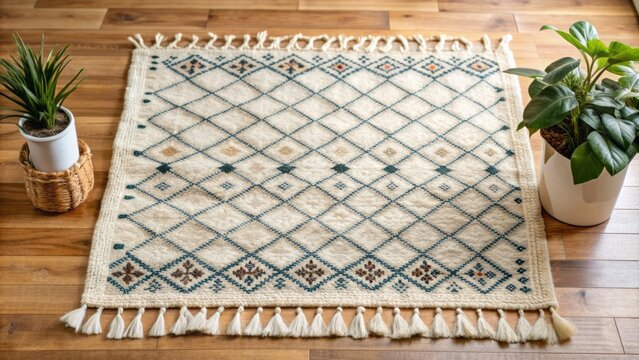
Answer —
43 256
224 19
17 18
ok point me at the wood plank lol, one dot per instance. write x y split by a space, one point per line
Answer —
620 222
606 25
555 243
554 7
629 332
38 242
595 273
628 198
13 299
70 354
170 4
394 5
327 354
601 246
224 19
45 270
598 302
444 22
14 18
157 19
25 4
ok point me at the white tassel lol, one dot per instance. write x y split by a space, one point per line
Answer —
74 318
563 328
311 43
179 328
441 44
463 327
158 328
417 326
423 43
540 329
254 327
235 326
198 322
246 43
228 42
503 46
135 329
344 41
193 44
318 327
299 325
388 46
211 43
488 47
455 46
484 330
158 41
405 46
439 326
174 43
292 44
467 44
93 326
276 41
523 328
116 330
377 326
399 327
261 38
504 332
337 327
361 41
552 335
275 326
373 44
358 325
137 41
212 326
328 43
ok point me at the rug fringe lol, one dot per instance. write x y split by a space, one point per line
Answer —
557 330
301 42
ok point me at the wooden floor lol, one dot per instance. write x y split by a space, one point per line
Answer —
43 258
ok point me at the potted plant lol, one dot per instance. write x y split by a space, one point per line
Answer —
587 125
31 81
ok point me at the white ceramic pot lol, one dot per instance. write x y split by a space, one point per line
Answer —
586 204
54 153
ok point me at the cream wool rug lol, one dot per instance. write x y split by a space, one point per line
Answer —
374 172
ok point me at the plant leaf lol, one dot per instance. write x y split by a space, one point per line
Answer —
568 37
535 87
583 31
549 106
559 69
597 48
622 132
621 69
617 47
526 72
626 55
605 101
613 158
590 117
629 82
584 164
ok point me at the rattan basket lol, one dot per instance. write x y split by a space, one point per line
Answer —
59 191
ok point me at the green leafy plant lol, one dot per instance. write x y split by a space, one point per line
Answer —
598 121
31 81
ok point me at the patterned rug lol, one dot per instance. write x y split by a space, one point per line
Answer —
371 172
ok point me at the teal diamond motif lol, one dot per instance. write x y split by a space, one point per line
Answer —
164 168
340 168
286 168
442 170
390 169
227 168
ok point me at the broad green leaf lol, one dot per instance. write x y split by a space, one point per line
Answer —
617 47
613 158
583 31
535 87
549 107
605 102
621 131
622 69
590 117
559 69
626 55
630 81
567 36
597 48
610 84
584 164
632 150
622 94
531 73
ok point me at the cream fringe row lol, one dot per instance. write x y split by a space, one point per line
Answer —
300 42
559 329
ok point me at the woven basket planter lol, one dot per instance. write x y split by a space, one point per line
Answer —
59 191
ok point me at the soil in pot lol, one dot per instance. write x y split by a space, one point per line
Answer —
61 123
556 138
